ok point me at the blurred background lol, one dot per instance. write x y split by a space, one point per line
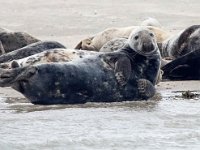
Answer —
69 21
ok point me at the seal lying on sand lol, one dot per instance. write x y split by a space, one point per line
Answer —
30 50
96 42
10 40
184 68
119 43
48 56
128 74
151 22
178 45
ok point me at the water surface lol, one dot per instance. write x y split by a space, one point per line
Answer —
165 122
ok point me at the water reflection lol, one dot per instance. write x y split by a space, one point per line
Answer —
167 121
22 105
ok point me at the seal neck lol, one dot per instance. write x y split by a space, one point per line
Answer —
131 53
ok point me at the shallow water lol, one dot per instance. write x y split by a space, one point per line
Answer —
165 122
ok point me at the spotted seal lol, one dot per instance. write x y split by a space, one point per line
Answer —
119 43
10 40
30 50
48 56
127 74
182 43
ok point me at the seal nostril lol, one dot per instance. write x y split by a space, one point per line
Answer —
151 47
148 47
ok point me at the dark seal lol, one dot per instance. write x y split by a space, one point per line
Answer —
10 40
128 74
183 68
30 50
178 45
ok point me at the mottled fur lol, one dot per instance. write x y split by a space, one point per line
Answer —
127 74
10 40
50 56
30 50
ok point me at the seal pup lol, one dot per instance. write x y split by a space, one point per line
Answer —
30 50
127 74
182 43
10 40
183 68
96 42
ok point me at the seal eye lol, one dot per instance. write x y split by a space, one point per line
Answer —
151 34
136 37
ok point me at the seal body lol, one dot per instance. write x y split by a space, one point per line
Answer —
48 56
89 79
151 22
127 74
114 45
10 40
183 68
30 50
182 43
96 42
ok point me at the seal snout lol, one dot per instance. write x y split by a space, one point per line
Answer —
148 47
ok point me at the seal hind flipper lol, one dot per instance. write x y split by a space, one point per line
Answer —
10 76
123 70
85 44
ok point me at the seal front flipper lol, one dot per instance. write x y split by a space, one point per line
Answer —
145 88
122 70
180 72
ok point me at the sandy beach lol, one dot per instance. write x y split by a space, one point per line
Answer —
70 21
168 124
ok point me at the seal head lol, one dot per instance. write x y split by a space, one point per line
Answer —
143 41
